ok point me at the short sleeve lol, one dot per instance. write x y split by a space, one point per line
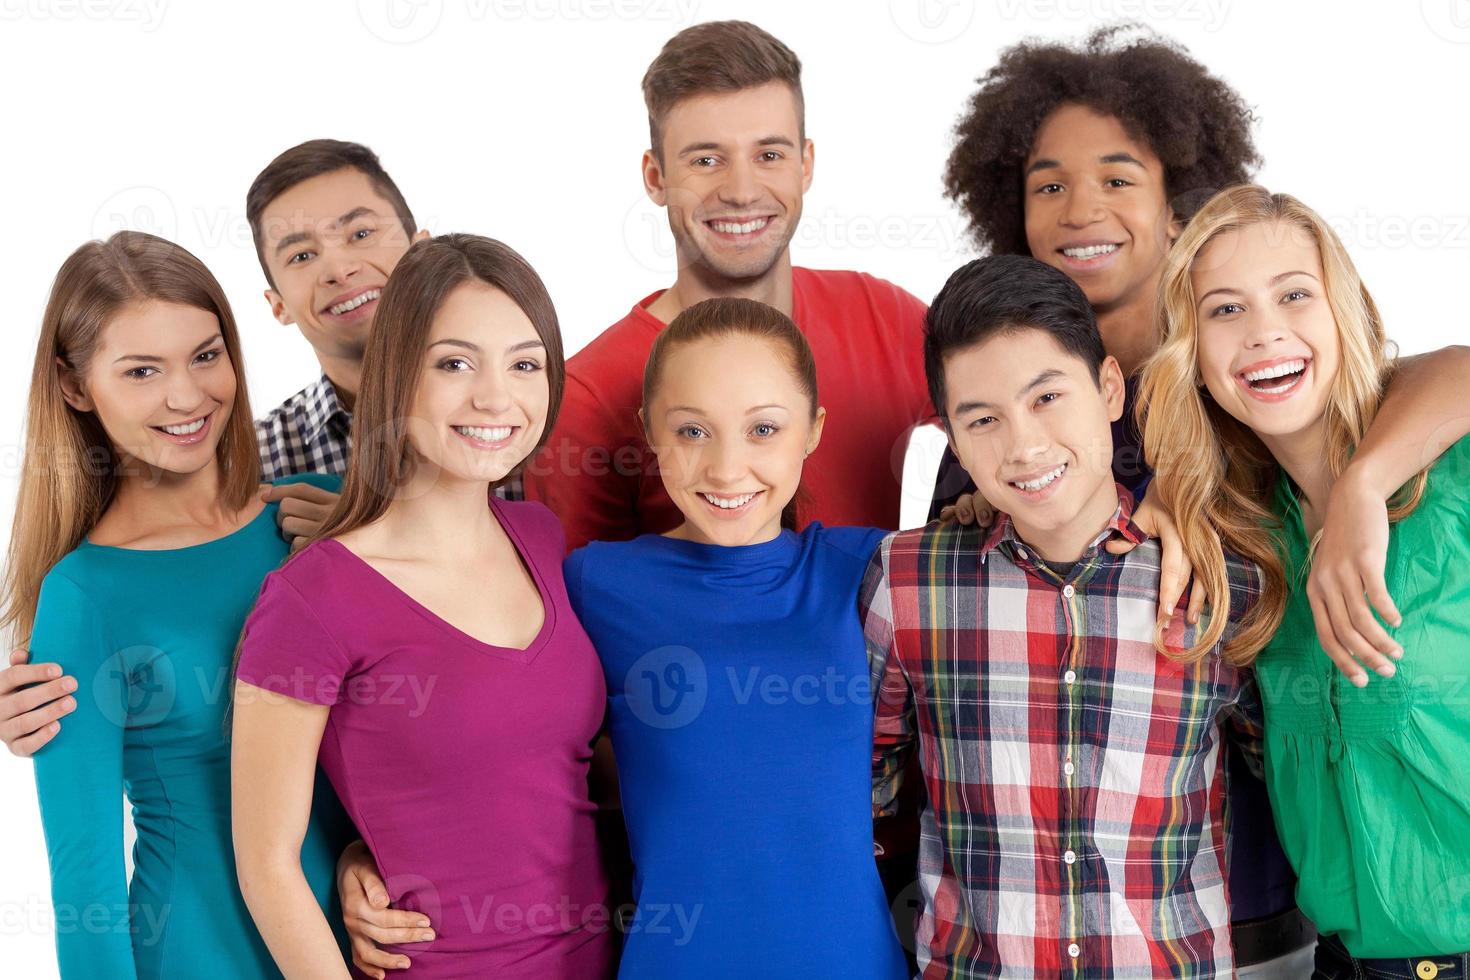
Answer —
287 650
572 570
79 783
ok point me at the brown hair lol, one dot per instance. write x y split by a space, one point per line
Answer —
70 472
382 458
312 159
713 319
720 56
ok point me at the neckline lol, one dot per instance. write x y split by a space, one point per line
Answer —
522 654
785 542
190 549
640 308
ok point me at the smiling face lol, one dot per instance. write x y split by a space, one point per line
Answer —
161 383
330 243
1033 430
1268 344
731 172
731 427
1096 206
482 395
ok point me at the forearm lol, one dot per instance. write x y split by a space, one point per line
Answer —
288 917
1423 413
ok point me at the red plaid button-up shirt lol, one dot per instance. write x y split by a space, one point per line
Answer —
1075 823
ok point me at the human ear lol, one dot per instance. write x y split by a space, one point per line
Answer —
72 389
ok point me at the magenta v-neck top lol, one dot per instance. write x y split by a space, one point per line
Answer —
463 765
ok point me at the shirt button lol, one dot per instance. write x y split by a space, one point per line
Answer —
1074 951
1021 553
1070 677
1427 969
1069 769
1068 591
1071 858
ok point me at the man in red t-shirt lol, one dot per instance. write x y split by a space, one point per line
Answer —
730 161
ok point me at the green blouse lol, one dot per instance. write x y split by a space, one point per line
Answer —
1371 786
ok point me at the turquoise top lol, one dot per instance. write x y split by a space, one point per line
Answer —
1371 786
150 637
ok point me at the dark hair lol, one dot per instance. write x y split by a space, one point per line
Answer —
1004 294
312 159
382 461
1196 124
719 56
712 319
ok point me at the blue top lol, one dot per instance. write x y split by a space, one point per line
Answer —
741 716
150 637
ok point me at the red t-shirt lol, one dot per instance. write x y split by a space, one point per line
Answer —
599 476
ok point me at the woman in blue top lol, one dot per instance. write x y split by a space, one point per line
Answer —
138 547
740 708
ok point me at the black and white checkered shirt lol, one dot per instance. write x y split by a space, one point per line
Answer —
311 432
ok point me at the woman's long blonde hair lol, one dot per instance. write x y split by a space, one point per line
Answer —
1212 473
70 471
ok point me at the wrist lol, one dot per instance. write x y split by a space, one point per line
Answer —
1362 476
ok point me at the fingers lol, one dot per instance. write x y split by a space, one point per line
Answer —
28 745
1335 651
946 513
393 927
1196 603
1119 546
17 703
23 675
298 492
297 527
27 732
375 962
19 656
1173 577
1377 591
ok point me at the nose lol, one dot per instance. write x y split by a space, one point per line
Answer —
1082 207
740 187
724 462
491 393
1029 441
183 393
1264 328
338 266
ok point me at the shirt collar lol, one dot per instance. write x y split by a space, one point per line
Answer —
1003 533
321 405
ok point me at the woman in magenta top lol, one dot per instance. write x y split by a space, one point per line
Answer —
424 646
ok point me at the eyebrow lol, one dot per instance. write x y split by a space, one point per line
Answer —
1231 290
1050 374
1049 164
466 345
152 359
699 411
304 236
763 141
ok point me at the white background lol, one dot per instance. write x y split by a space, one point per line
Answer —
523 120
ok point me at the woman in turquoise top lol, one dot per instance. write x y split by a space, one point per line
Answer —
138 547
1274 361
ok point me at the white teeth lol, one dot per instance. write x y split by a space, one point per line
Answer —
183 430
484 434
734 228
728 503
1277 371
1045 480
1089 251
354 303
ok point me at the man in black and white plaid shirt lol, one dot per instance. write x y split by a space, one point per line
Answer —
329 226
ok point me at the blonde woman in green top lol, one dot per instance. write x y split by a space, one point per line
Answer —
1272 366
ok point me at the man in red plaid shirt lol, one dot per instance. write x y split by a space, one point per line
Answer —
1075 824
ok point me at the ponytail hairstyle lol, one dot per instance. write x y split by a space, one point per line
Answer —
715 319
